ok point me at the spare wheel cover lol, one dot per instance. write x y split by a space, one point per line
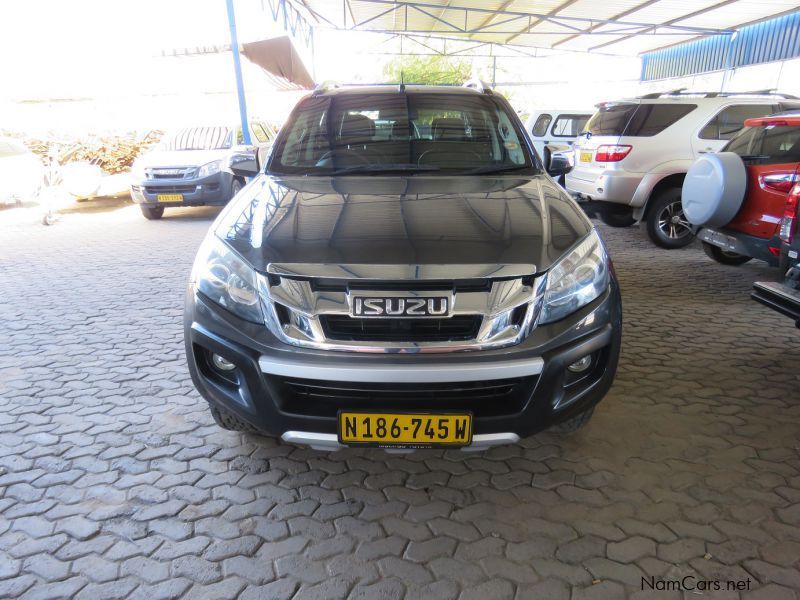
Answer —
714 188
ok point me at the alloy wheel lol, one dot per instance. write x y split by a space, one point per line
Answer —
672 222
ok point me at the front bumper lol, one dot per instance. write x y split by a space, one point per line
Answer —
608 186
740 243
212 190
296 393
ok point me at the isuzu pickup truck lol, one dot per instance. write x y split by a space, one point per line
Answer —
403 273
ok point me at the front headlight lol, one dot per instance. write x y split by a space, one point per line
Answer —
209 169
226 279
575 280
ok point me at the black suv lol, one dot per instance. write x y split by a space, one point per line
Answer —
402 274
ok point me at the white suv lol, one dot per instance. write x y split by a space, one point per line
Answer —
632 156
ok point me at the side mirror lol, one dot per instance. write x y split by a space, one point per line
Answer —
244 162
560 163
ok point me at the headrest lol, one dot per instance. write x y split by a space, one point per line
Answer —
356 128
400 130
448 129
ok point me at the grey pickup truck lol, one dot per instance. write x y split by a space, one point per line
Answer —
403 273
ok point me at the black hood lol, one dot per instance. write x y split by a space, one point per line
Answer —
402 220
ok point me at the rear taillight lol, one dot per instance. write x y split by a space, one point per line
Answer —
607 153
789 221
778 182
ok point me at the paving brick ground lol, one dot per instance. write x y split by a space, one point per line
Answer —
116 483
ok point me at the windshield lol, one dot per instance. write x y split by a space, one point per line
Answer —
199 138
427 133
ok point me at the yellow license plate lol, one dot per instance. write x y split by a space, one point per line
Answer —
586 157
410 430
170 197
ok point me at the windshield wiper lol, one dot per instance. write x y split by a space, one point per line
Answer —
490 169
396 168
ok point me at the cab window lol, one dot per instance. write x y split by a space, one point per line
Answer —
569 126
259 133
541 125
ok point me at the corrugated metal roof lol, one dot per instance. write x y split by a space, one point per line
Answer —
768 41
612 26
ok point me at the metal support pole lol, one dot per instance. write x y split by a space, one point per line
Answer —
313 55
237 67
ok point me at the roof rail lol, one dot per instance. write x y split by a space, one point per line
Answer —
769 92
683 92
478 85
653 95
325 86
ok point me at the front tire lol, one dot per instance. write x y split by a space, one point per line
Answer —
229 421
666 225
152 213
575 423
236 187
614 218
725 257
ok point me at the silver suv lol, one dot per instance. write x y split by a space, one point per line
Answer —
632 156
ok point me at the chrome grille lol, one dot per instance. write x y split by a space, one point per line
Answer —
487 311
170 173
347 328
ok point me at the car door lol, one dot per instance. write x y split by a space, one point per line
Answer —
725 124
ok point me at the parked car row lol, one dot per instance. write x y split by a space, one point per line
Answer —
633 155
722 167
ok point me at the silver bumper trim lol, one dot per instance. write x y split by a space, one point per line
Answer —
408 373
329 441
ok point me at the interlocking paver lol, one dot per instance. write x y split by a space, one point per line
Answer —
631 549
494 588
197 569
116 481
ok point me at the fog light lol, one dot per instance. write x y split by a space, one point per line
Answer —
222 364
579 366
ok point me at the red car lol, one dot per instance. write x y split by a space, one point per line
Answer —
744 200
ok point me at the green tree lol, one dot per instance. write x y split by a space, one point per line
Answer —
430 70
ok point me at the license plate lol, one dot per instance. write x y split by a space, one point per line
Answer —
586 157
170 197
408 430
720 240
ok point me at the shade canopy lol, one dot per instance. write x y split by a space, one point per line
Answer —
624 27
280 61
